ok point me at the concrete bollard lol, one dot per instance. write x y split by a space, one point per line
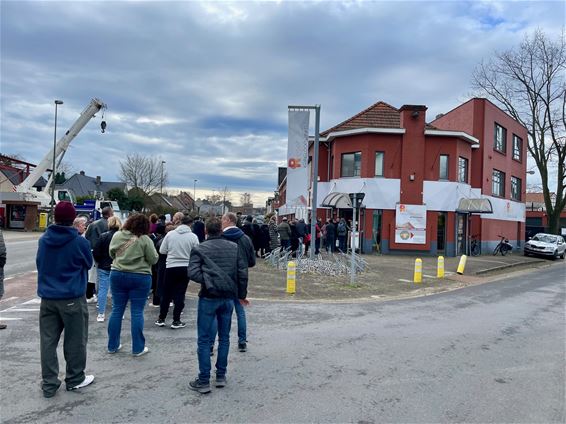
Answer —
418 275
440 267
462 264
291 277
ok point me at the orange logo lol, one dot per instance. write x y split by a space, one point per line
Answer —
294 163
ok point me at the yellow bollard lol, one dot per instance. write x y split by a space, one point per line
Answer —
291 269
440 267
462 264
418 276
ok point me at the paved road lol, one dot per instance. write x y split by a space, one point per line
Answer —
489 353
22 249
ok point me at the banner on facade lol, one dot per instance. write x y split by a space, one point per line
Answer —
410 224
297 159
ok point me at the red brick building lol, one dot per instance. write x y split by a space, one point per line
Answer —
461 175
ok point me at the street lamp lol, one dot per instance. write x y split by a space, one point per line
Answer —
194 193
161 181
57 103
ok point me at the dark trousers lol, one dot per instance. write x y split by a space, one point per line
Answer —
55 316
174 289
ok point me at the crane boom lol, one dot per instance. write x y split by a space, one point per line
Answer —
94 106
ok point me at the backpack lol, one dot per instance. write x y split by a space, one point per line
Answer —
342 229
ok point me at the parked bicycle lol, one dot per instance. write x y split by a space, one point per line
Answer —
503 247
475 248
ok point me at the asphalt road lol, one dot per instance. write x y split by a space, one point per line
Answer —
488 353
21 256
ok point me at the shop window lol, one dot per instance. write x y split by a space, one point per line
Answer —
500 138
516 186
443 167
498 183
379 164
517 147
462 170
351 164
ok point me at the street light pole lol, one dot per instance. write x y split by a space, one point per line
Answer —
161 181
194 194
53 170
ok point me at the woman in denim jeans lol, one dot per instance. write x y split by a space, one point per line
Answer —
102 257
133 255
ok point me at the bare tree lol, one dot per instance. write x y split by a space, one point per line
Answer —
143 173
245 199
529 83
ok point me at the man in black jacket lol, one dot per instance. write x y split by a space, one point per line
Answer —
246 249
221 270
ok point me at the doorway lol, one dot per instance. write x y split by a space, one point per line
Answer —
441 233
376 230
461 233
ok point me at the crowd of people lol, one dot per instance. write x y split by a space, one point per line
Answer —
145 260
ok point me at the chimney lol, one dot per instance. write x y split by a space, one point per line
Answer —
97 182
82 172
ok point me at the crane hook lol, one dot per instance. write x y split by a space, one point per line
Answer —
103 126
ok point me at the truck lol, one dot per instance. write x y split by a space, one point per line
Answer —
92 209
25 191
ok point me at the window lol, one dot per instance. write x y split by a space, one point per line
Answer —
462 170
516 188
379 164
498 183
351 164
443 167
500 138
517 147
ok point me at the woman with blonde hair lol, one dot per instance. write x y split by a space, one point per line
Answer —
102 257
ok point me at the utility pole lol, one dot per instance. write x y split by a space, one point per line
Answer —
54 166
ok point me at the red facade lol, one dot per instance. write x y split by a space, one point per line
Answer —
433 165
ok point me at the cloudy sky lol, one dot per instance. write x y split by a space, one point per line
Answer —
206 85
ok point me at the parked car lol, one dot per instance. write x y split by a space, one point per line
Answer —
546 245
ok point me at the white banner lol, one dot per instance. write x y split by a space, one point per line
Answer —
297 159
410 224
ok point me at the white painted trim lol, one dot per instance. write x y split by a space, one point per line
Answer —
363 131
459 134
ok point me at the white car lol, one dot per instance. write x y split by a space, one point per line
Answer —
546 245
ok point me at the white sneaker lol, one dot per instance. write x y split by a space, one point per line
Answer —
117 350
88 379
143 352
100 317
93 299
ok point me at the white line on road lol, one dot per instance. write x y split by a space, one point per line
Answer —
405 281
20 310
35 301
9 319
10 298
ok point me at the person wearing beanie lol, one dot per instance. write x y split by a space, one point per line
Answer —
63 260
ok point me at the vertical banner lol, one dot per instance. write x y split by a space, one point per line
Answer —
410 224
297 158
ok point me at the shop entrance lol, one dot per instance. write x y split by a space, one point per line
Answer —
461 233
441 233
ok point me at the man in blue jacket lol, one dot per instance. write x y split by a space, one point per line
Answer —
63 260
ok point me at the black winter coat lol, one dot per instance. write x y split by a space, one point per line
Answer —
101 253
222 272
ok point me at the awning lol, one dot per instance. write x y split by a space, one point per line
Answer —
337 200
474 206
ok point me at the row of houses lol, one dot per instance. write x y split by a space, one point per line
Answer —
429 186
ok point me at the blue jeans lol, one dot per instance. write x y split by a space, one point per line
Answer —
103 286
241 316
210 310
135 288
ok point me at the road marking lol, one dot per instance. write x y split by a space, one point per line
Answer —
9 319
20 310
429 276
405 281
10 298
8 278
35 301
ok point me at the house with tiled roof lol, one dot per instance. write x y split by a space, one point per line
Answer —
83 185
463 174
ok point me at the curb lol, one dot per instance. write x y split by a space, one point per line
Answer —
502 267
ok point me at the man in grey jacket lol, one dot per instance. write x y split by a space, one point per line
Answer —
223 274
177 245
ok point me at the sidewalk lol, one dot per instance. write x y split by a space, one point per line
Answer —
387 277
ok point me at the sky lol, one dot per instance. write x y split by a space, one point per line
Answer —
205 86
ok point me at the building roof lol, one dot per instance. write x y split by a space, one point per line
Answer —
83 185
378 115
17 176
537 197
